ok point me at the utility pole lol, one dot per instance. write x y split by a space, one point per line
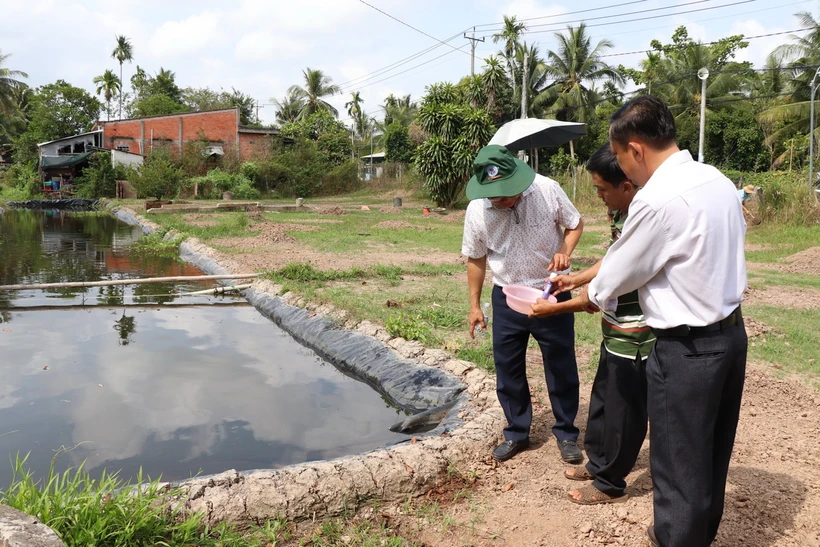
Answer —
524 87
257 111
703 74
473 41
811 130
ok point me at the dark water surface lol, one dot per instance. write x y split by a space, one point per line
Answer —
136 377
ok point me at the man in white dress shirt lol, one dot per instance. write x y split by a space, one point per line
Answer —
682 248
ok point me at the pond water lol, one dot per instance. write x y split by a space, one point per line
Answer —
134 376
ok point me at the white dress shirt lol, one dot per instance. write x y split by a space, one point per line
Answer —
519 243
681 247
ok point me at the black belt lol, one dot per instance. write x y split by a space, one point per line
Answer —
733 319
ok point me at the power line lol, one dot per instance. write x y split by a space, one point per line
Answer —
704 43
710 19
357 88
563 14
410 26
609 16
397 63
647 18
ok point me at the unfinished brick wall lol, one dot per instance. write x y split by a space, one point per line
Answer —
218 127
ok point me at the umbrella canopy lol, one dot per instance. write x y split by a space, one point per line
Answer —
536 133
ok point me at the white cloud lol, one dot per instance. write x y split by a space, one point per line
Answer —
267 46
759 48
196 34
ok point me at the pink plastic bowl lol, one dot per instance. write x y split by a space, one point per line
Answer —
520 298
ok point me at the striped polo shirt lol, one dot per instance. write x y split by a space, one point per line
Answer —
625 331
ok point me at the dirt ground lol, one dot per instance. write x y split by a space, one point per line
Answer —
805 262
773 493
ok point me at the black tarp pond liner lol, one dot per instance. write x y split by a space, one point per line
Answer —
409 385
413 387
73 204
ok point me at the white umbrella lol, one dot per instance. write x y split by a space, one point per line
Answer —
530 133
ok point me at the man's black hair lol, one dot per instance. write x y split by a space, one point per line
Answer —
646 118
604 164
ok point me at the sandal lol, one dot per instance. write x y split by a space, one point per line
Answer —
579 473
592 496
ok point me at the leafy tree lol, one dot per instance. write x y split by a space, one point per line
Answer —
331 136
287 109
205 98
398 146
108 85
456 133
123 52
317 86
56 110
733 140
139 83
158 105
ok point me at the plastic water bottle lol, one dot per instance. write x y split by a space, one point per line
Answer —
479 330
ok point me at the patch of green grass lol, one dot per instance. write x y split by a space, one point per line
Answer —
780 241
794 345
772 278
358 232
480 353
107 513
233 224
306 273
155 245
411 327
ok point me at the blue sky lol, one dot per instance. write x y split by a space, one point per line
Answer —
261 46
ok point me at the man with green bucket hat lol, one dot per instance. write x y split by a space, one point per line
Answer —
523 226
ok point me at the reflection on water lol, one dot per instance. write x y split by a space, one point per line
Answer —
176 390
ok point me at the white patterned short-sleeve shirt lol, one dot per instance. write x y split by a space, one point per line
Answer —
519 243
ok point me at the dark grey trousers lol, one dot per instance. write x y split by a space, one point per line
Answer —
616 427
695 384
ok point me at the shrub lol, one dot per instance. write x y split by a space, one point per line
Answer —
342 179
158 176
218 181
98 180
20 182
252 171
786 197
244 190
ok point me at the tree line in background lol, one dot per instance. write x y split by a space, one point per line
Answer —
757 117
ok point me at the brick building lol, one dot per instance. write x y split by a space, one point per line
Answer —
219 129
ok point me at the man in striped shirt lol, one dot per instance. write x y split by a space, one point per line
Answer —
616 427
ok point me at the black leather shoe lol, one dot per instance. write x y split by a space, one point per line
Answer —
570 452
508 449
650 533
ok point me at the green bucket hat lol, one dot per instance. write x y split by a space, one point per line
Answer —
498 174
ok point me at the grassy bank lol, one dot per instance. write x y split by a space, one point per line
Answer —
428 300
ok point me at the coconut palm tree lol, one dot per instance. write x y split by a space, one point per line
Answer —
317 86
354 106
288 108
510 36
108 85
402 110
9 83
123 52
574 69
493 78
804 51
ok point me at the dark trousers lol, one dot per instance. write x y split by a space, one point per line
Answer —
695 384
556 337
616 427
